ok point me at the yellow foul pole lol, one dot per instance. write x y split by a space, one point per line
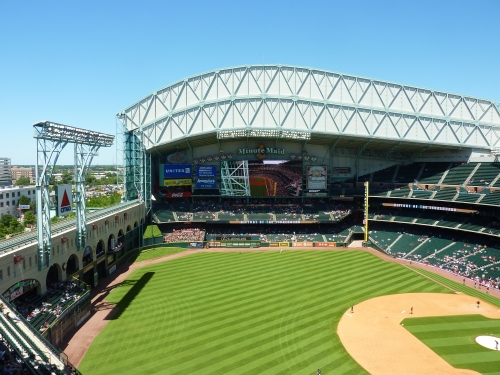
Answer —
365 221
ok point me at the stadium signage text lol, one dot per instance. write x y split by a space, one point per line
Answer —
185 194
206 183
177 171
179 182
262 151
176 158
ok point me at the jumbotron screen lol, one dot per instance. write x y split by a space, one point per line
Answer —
275 178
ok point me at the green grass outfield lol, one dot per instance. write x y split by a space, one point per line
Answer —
250 313
453 338
158 253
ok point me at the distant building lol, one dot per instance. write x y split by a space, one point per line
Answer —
9 198
18 172
5 176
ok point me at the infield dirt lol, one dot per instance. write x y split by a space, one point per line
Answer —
374 337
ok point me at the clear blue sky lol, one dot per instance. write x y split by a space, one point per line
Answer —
81 62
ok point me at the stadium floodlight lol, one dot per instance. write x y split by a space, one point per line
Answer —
57 132
52 138
264 133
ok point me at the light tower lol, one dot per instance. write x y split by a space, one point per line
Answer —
51 140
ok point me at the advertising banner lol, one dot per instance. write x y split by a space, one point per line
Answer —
206 183
184 194
64 200
177 171
342 198
178 182
316 193
176 157
196 244
206 171
316 177
298 243
326 244
24 206
341 170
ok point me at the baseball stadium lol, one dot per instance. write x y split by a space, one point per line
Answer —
275 220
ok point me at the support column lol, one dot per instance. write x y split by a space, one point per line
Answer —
48 152
83 158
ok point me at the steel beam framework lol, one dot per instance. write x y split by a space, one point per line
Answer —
83 158
285 98
51 140
135 172
48 152
235 180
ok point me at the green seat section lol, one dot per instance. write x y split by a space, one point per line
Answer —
458 174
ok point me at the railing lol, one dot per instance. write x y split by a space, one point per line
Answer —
31 328
11 244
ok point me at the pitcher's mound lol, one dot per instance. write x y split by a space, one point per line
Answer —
490 342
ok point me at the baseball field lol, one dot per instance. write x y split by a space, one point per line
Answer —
250 313
260 187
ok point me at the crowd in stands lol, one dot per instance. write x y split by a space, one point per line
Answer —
334 233
10 362
471 256
42 311
288 179
236 209
184 235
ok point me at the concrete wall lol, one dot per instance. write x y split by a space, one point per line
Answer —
61 252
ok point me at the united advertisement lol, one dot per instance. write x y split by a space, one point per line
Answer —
64 200
316 177
177 170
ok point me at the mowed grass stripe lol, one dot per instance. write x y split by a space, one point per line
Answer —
257 314
257 287
287 324
309 309
158 253
225 320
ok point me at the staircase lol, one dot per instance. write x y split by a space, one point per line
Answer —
494 180
444 248
395 173
424 241
444 175
421 171
481 197
471 174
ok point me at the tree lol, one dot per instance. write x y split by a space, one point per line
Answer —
90 179
33 206
29 218
6 219
67 178
24 200
23 181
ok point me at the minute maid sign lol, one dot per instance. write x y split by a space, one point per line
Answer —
64 200
262 151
